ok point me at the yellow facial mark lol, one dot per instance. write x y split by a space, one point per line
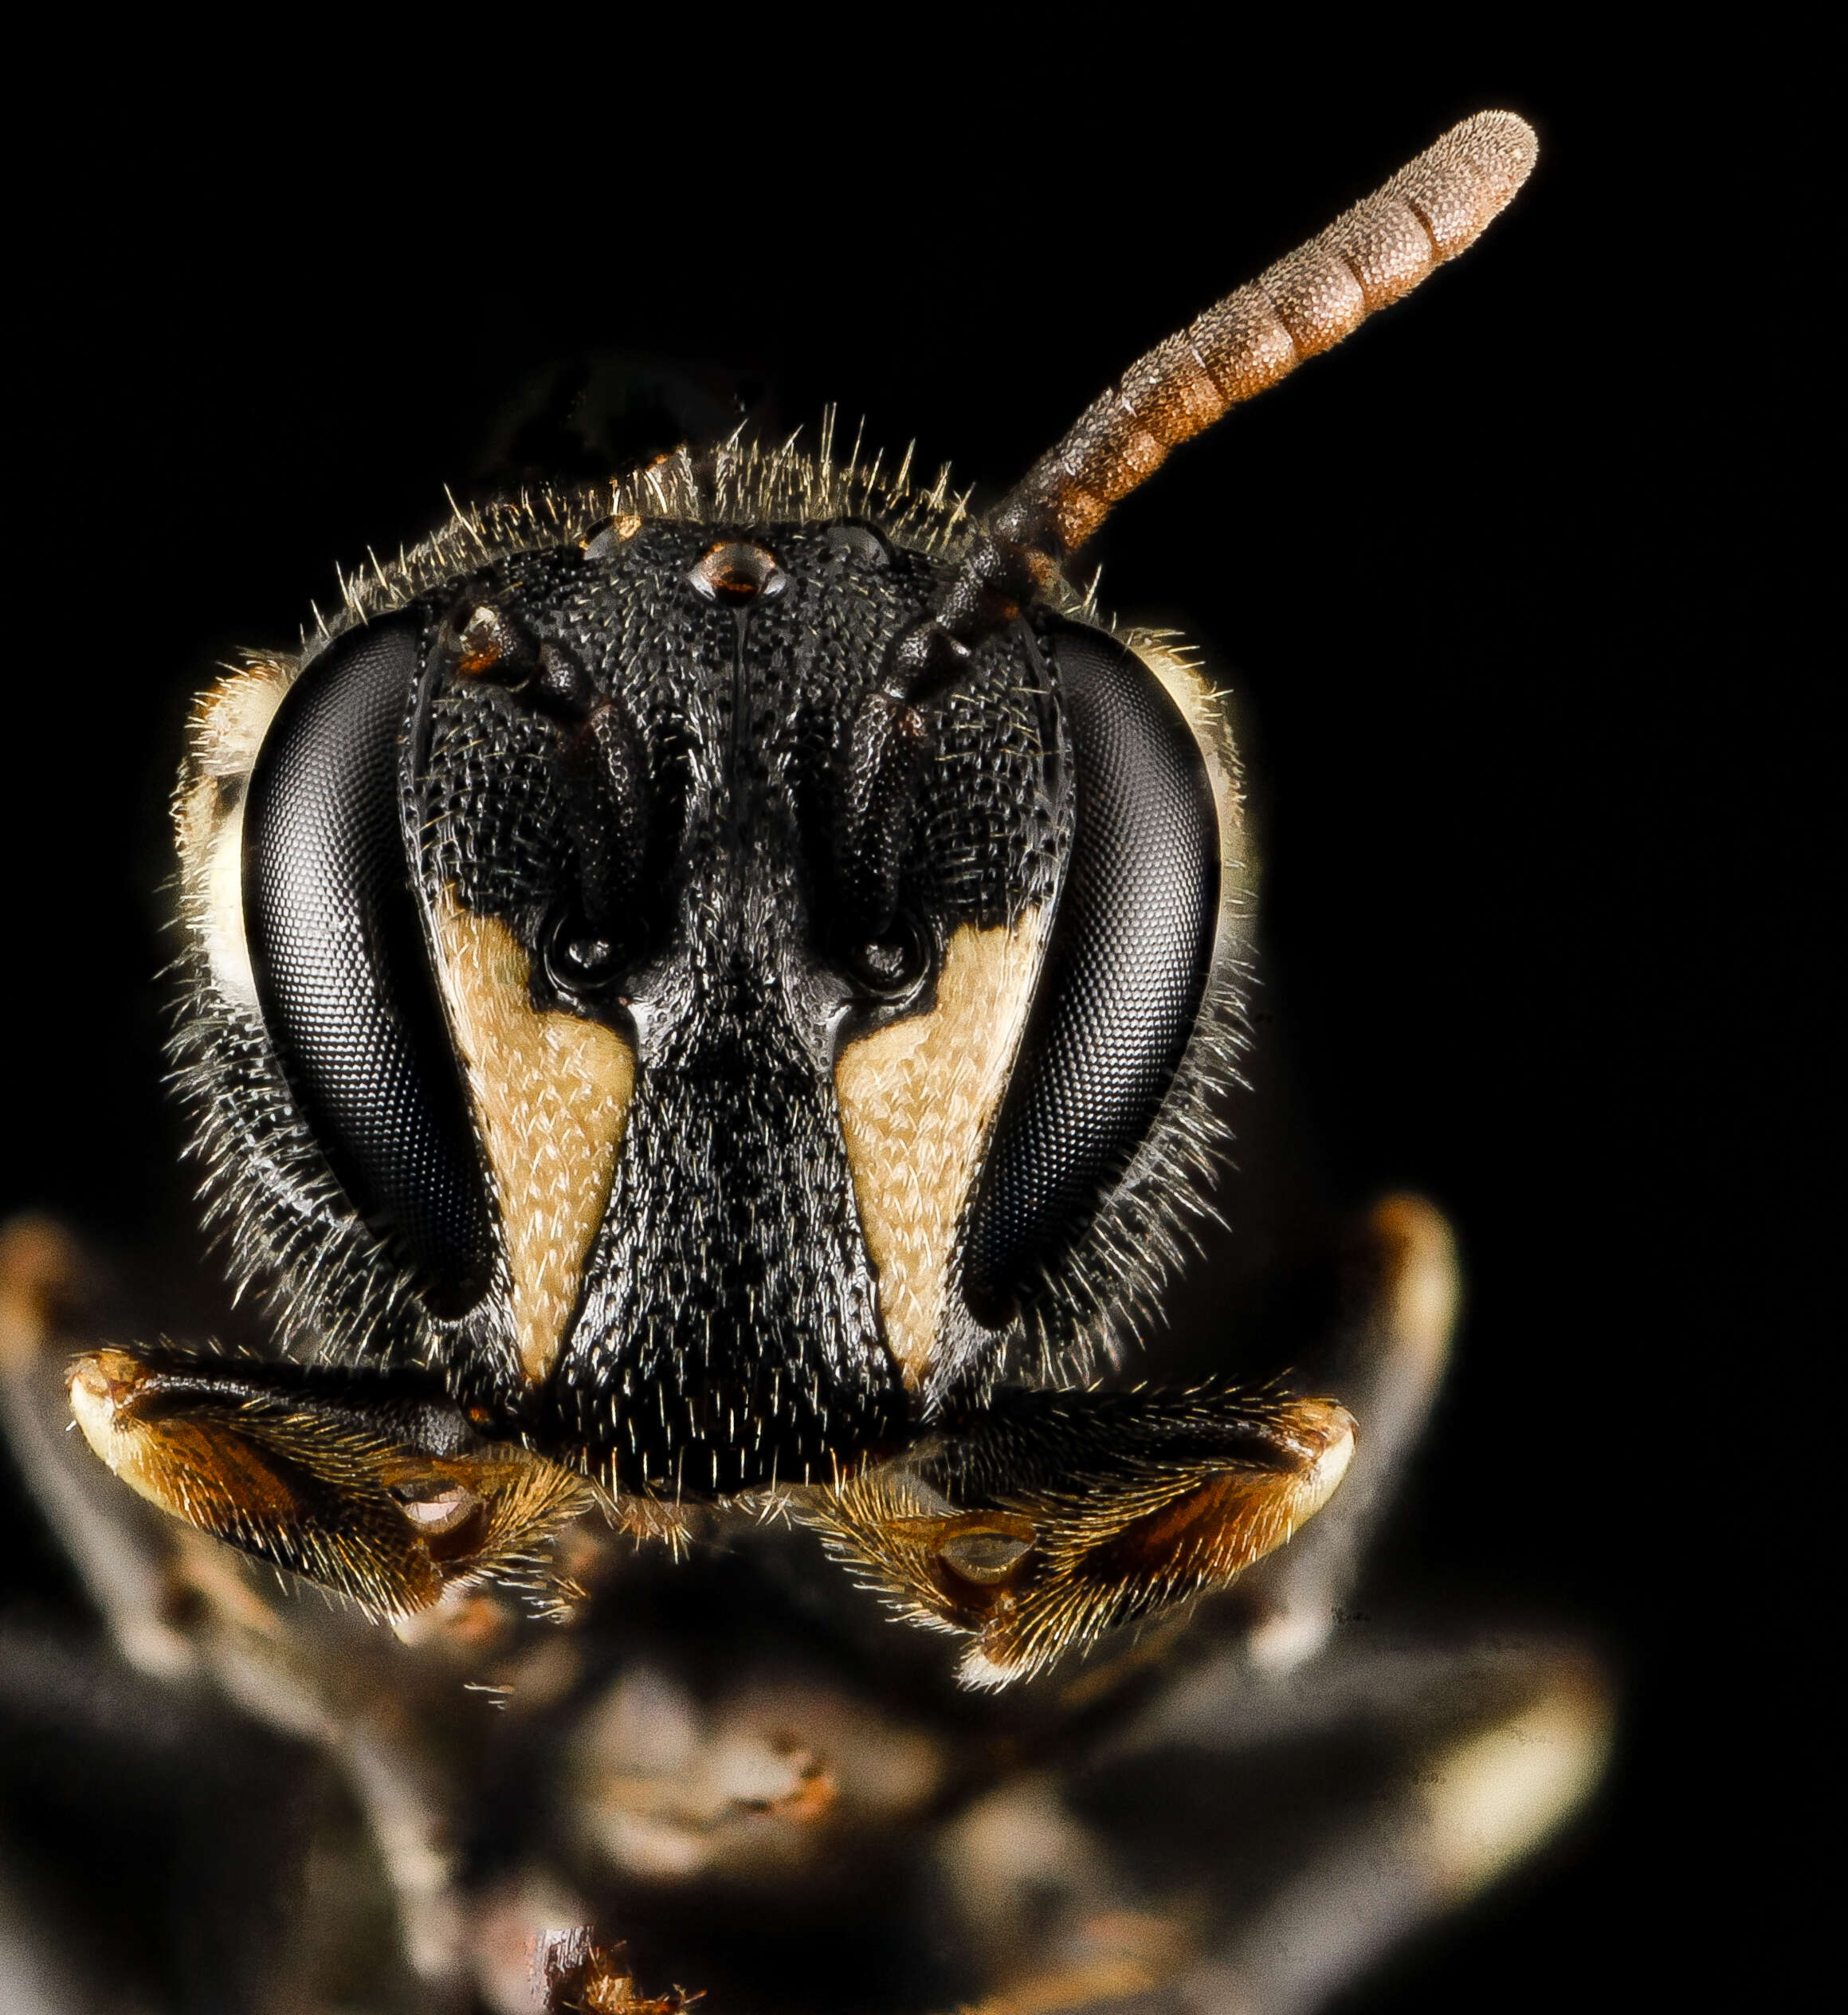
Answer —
225 732
552 1095
1204 710
917 1099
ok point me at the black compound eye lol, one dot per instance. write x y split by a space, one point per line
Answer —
1123 977
342 976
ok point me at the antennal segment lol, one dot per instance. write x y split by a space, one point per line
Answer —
1436 206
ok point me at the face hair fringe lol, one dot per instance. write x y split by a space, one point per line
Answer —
736 485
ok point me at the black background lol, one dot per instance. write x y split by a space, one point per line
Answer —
1526 757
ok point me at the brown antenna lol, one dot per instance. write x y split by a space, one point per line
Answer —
1436 206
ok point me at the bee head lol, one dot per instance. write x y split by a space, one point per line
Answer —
693 985
710 1052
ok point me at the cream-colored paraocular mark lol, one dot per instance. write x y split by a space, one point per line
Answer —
917 1098
225 732
552 1093
1204 711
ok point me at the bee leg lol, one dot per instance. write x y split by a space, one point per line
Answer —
1259 1842
1051 1517
118 1555
1051 1917
570 1971
1346 1804
1386 1358
373 1485
178 1612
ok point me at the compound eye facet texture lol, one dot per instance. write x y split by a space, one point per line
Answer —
1124 978
342 976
